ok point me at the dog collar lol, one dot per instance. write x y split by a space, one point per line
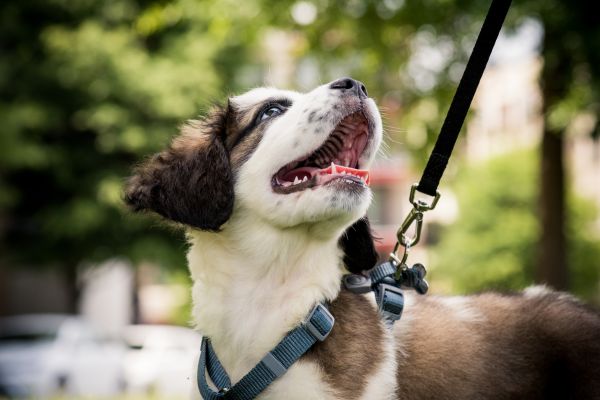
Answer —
316 327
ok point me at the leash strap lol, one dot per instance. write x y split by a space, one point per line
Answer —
275 363
462 98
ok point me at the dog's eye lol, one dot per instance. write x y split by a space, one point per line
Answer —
270 112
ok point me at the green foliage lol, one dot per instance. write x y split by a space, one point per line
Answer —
492 244
88 88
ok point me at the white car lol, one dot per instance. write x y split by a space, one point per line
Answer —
161 360
44 355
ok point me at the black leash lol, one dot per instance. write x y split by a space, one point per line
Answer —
387 278
450 129
462 98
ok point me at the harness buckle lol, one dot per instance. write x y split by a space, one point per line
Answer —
358 284
390 301
319 322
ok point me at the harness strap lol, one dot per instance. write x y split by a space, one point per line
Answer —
380 280
275 363
462 98
382 271
385 281
389 297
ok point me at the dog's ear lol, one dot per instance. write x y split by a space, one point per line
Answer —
191 181
359 247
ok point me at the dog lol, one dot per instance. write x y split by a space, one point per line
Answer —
272 189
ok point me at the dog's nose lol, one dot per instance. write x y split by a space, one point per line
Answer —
349 83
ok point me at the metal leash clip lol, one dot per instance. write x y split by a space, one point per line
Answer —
414 217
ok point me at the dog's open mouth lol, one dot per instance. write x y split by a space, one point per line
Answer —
335 161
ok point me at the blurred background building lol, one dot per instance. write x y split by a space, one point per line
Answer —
89 88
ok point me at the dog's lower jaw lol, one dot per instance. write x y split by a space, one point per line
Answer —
253 283
322 209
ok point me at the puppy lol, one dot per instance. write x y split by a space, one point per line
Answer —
271 189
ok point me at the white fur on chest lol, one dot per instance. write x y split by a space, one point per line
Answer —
249 293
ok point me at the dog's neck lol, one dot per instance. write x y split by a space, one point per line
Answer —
254 282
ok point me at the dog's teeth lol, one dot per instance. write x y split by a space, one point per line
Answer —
296 181
333 170
305 179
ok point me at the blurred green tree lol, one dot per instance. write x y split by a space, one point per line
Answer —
375 40
570 86
492 246
87 88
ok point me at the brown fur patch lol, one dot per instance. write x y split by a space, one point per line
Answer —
191 181
545 347
352 353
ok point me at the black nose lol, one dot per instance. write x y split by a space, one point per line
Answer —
349 83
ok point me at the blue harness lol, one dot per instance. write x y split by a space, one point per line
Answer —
316 327
382 280
385 280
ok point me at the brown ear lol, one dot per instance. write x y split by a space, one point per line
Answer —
359 247
191 181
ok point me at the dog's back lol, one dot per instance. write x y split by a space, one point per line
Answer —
538 345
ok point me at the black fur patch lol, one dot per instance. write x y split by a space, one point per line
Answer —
358 246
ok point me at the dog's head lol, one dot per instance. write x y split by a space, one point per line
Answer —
292 159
